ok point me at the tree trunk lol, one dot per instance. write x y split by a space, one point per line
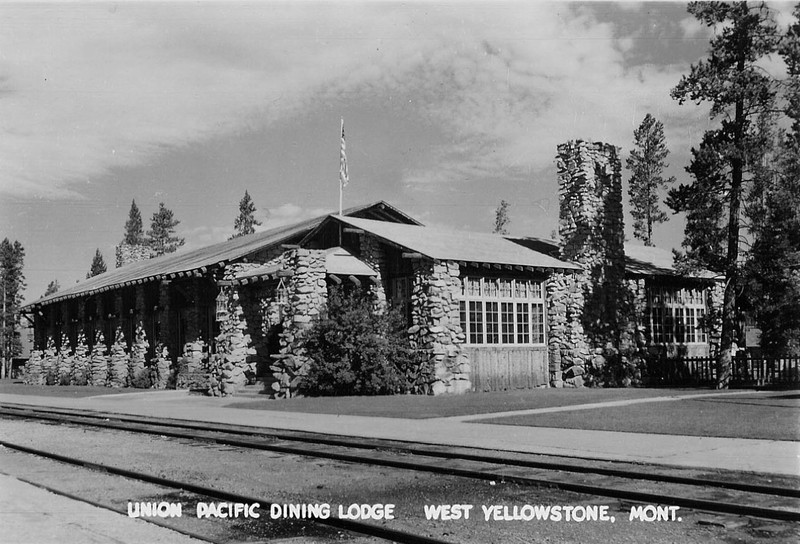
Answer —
726 353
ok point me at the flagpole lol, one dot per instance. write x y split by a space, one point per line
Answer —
343 175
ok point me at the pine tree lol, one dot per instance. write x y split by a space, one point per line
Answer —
501 218
773 268
12 284
740 93
98 265
134 229
162 231
52 288
647 163
246 221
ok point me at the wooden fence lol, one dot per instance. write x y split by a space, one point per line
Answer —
745 371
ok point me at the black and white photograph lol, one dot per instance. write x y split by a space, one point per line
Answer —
425 272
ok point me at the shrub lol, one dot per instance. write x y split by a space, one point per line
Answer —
355 351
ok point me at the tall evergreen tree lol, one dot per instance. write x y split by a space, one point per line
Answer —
740 93
501 218
647 162
12 284
162 231
773 269
98 265
134 229
246 221
52 288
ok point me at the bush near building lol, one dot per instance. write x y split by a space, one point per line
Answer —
355 350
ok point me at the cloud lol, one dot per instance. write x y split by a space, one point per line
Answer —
90 88
693 28
287 214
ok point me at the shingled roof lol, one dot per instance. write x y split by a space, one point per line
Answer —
199 261
468 247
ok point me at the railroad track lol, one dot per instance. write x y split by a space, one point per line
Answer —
702 494
349 525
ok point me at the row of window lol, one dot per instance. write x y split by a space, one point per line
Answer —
506 311
489 322
501 288
502 311
681 325
675 315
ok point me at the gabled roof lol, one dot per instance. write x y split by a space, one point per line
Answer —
469 247
200 260
654 261
639 260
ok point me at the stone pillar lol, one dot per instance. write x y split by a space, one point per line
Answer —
567 346
435 324
591 232
308 295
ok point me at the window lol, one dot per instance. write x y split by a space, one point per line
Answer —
502 311
507 322
475 322
675 315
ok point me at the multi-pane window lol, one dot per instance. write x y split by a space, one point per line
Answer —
475 322
675 315
502 311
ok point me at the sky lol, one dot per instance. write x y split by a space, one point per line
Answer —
449 108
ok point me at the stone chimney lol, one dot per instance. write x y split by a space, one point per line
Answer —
127 253
591 231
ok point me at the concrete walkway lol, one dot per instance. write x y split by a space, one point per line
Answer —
762 456
594 405
31 515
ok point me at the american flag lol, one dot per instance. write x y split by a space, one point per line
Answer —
344 177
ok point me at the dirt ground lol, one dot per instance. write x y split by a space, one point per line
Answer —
295 479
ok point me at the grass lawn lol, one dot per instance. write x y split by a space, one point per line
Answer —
422 407
771 416
16 387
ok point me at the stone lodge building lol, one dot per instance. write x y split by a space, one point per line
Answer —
492 312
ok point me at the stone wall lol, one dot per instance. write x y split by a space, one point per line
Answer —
127 253
591 233
567 347
308 295
435 324
233 364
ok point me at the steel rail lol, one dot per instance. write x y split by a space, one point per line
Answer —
385 533
159 426
590 489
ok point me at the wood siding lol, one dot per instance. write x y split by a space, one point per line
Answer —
501 369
